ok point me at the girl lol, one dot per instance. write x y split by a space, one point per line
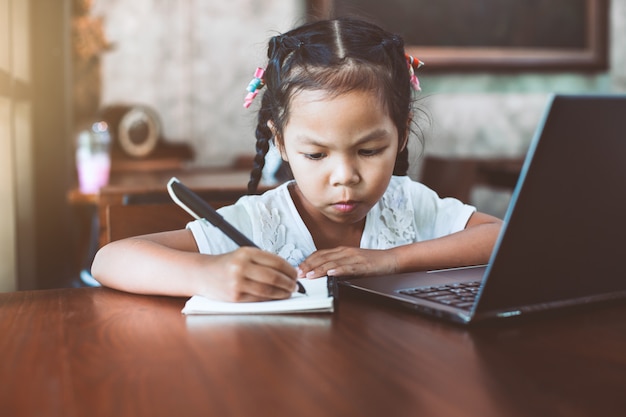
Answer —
337 105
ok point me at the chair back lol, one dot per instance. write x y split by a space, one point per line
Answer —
457 177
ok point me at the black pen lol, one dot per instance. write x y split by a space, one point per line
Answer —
200 209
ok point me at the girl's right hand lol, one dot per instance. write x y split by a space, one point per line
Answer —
248 274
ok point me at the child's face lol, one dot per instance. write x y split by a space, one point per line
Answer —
342 152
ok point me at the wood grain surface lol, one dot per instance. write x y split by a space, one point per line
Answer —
100 352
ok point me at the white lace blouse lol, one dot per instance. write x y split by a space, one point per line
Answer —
408 212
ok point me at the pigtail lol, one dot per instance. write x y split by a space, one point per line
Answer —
263 136
280 47
394 50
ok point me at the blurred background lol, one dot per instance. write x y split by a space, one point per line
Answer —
491 67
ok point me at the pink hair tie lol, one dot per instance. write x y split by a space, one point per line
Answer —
249 98
254 86
413 64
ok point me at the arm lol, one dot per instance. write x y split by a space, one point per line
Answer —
471 246
169 264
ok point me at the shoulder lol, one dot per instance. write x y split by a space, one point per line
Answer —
415 212
404 191
259 212
275 198
265 213
274 223
246 215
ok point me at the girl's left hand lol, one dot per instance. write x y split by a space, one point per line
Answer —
343 261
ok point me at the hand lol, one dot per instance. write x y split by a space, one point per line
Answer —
342 261
248 274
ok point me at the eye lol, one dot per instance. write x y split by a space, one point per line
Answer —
369 152
314 156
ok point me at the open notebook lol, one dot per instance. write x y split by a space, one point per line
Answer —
312 296
318 299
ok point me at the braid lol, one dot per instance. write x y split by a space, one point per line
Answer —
394 47
279 48
263 136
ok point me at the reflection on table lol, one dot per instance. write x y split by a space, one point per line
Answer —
100 352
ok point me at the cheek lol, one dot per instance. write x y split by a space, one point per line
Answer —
311 180
387 164
305 174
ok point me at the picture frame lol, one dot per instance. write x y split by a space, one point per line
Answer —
580 25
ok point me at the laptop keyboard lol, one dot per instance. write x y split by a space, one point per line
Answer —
461 294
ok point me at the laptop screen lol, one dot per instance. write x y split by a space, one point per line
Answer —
564 232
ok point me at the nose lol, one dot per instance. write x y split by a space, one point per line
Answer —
345 172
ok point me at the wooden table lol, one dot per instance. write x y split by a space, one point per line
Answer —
99 352
151 186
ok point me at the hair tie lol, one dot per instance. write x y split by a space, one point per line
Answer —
291 43
254 86
413 64
393 42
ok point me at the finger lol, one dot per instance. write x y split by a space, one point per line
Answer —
249 277
318 262
356 264
250 298
270 260
328 268
264 280
258 283
348 270
336 270
330 264
259 291
265 267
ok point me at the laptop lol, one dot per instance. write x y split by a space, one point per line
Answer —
563 241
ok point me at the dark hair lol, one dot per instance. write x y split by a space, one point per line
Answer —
336 56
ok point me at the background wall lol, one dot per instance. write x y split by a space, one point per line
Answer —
194 73
191 61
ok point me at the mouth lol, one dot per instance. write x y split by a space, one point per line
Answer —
345 206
